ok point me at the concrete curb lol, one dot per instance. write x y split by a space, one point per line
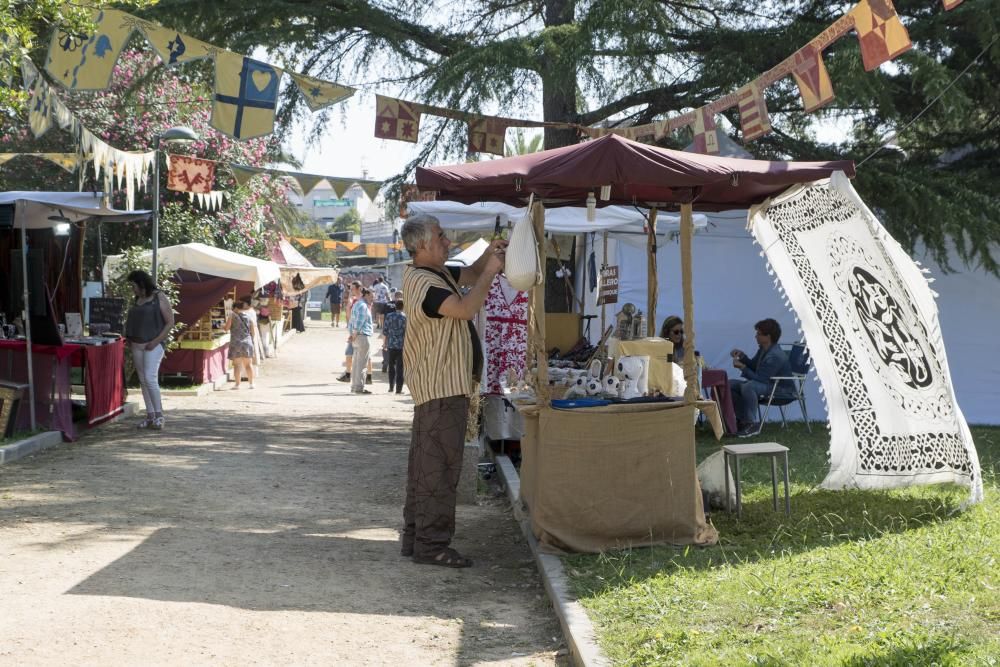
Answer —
576 625
29 446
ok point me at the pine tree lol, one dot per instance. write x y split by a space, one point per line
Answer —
607 61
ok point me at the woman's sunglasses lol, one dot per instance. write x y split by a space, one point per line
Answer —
677 332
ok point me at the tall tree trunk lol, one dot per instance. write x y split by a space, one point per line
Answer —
559 88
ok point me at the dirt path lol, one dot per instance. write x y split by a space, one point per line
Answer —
259 528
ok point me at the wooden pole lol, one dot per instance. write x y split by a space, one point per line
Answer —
651 283
538 306
604 264
690 375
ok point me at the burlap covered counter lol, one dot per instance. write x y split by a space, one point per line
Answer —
605 478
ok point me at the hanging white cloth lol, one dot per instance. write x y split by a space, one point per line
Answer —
871 323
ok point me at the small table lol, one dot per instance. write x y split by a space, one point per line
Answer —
772 449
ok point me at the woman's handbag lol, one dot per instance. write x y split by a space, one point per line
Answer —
522 266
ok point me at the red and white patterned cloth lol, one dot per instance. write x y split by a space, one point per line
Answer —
505 334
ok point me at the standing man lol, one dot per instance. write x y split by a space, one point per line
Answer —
394 333
353 297
335 293
444 362
359 333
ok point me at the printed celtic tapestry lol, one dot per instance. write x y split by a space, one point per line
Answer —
869 318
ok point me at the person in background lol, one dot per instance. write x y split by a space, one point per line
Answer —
359 332
353 294
393 336
147 326
264 326
242 340
381 291
769 361
334 294
444 363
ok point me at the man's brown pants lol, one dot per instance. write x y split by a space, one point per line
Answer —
432 476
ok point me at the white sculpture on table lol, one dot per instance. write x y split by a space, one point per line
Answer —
633 372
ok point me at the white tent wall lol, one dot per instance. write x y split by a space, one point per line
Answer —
732 291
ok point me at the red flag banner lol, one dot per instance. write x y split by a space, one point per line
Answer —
705 138
881 33
396 119
486 134
753 111
190 174
812 78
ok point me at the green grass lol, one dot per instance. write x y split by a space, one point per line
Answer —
851 578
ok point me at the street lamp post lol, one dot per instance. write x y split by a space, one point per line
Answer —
173 135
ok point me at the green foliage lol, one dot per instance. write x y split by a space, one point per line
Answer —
902 577
605 61
348 222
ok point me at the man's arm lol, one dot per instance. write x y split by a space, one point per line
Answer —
466 307
470 274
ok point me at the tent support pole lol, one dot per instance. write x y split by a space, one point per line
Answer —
604 307
26 316
651 283
538 306
79 264
690 376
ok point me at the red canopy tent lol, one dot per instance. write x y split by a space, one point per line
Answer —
612 170
637 173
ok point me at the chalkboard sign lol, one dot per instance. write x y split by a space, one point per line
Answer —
108 310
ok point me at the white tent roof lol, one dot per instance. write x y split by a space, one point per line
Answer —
210 261
469 256
562 220
32 209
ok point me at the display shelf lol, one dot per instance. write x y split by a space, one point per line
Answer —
210 325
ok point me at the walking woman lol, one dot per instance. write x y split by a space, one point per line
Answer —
241 342
147 326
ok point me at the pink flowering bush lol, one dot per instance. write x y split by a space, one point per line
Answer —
143 100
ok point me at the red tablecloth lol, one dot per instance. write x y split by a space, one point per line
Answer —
104 384
200 365
105 380
68 351
716 380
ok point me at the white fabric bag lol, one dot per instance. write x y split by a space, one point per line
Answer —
522 266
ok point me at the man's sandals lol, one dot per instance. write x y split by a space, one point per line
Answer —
445 558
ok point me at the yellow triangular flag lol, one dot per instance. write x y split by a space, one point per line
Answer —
320 94
85 62
173 47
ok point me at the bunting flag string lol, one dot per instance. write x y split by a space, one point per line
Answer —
128 169
376 250
67 161
246 90
881 35
210 201
400 120
243 173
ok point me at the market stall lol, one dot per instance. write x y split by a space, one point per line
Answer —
207 279
41 249
614 171
298 275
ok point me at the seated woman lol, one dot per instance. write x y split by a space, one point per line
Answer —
673 330
769 361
